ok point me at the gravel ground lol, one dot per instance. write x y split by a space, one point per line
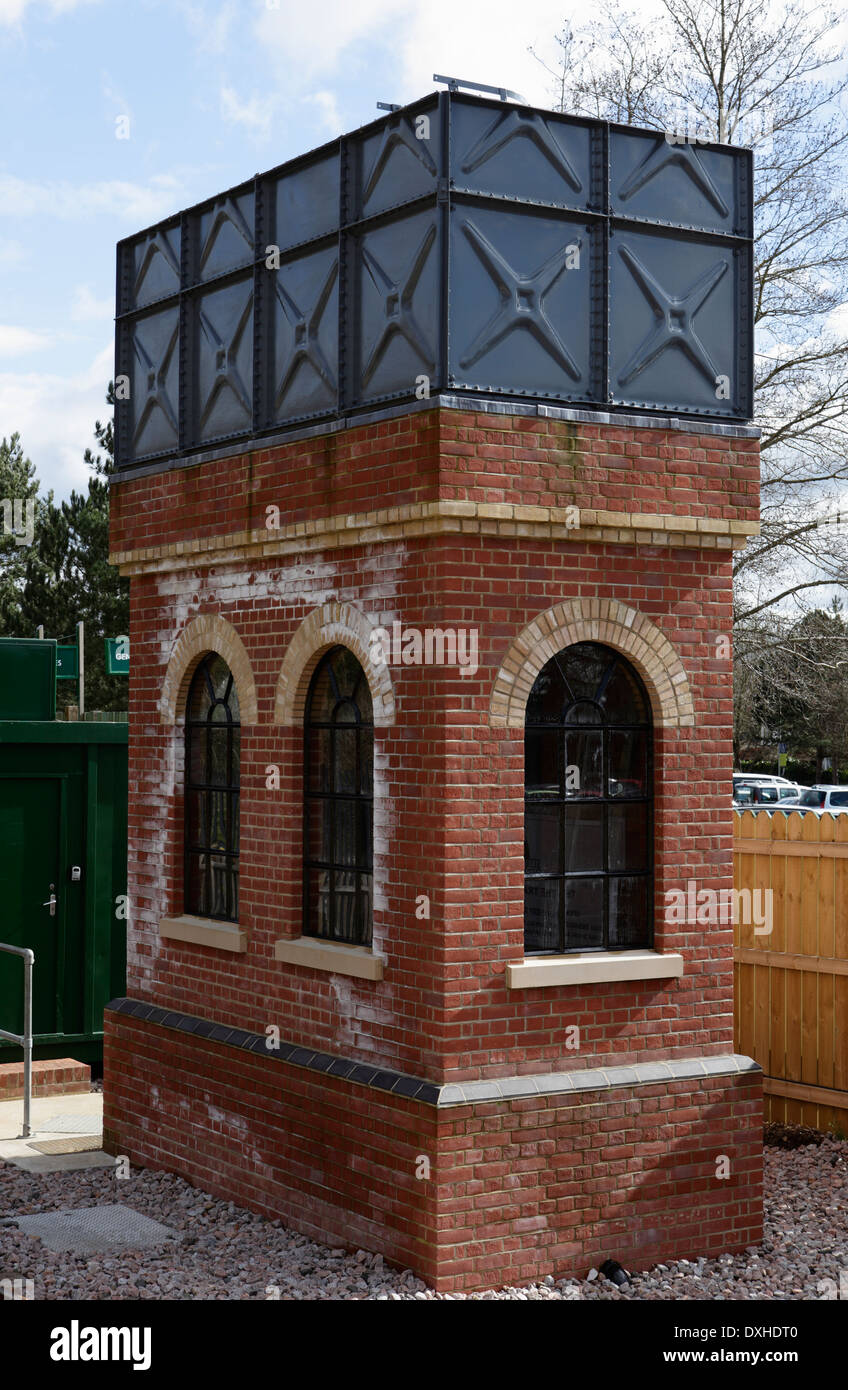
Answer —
228 1253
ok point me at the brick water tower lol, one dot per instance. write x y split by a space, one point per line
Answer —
432 459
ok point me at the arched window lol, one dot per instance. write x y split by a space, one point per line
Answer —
588 805
339 800
213 735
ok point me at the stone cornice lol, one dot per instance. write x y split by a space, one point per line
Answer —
500 519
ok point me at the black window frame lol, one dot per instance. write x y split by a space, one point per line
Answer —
208 790
363 866
604 800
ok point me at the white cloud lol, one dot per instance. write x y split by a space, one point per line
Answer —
137 203
288 34
255 114
86 306
327 106
210 26
55 417
12 11
12 253
15 341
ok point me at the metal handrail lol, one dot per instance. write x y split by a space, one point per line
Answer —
24 1039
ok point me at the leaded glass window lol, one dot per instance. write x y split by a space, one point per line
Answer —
338 797
588 805
212 752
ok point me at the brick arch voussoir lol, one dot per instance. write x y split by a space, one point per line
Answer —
593 620
208 632
331 625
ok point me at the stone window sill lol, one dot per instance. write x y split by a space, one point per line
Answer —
332 956
204 931
592 968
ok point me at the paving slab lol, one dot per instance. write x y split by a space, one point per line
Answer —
60 1121
91 1230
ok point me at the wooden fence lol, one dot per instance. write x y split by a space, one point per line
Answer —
791 985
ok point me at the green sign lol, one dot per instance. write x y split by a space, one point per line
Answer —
67 663
118 656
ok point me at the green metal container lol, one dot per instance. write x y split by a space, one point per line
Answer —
27 679
63 836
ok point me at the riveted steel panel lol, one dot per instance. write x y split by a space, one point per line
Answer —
521 302
396 269
683 184
671 301
222 236
521 154
305 200
222 336
397 163
153 369
151 268
303 340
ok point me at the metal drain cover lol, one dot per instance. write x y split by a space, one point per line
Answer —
72 1124
89 1230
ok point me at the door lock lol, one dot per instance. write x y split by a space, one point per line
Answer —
51 901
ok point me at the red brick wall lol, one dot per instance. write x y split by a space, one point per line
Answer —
517 1189
557 1184
445 455
451 800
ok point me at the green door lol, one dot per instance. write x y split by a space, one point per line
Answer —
30 831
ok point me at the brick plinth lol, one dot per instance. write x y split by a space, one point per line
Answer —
470 1196
62 1076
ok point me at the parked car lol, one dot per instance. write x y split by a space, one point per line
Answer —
752 795
823 797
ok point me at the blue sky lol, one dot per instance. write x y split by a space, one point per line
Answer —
210 92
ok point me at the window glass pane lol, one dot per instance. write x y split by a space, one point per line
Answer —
584 666
196 770
836 798
541 914
541 776
235 757
344 847
584 838
235 818
584 913
628 837
195 819
322 696
547 698
365 852
628 913
628 762
344 762
366 761
584 764
318 890
217 808
583 712
346 906
623 699
542 839
318 759
220 869
196 896
217 768
319 829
